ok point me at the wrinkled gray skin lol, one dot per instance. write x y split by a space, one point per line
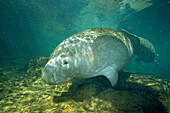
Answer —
93 52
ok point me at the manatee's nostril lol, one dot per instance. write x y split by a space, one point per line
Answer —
48 65
52 62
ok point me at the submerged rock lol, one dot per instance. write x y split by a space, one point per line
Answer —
134 92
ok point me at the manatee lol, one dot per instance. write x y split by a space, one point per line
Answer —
93 52
142 48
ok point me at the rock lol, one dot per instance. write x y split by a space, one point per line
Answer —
134 92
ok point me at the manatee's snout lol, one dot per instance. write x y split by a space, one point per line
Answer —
53 74
48 74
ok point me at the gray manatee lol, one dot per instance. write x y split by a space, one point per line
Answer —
92 52
142 48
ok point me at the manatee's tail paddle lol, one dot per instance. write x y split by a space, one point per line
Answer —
142 48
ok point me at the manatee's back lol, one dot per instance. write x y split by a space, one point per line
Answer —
111 48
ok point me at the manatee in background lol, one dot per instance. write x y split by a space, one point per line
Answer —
142 48
93 52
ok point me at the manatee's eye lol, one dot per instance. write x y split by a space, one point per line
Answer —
65 62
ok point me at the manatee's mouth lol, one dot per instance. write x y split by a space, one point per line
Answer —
48 74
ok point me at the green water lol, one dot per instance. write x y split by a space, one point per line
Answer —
33 28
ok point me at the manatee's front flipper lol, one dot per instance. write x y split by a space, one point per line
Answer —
111 74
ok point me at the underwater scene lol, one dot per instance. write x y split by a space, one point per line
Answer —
84 56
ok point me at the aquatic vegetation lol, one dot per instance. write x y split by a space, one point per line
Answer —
134 93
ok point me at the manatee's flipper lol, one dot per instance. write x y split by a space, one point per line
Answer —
111 74
156 62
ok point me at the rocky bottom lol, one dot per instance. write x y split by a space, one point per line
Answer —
24 92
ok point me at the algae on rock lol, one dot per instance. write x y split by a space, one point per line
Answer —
134 92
